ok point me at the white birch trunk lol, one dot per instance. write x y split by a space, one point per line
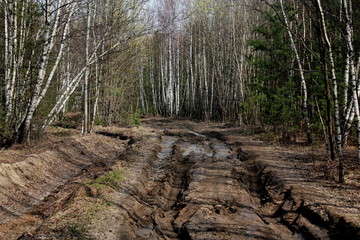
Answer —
58 58
353 70
170 90
98 77
163 81
7 59
301 72
177 82
143 100
334 81
14 43
87 73
153 87
349 118
205 77
39 90
63 99
192 78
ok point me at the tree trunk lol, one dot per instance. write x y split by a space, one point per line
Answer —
327 43
347 8
39 90
86 106
301 72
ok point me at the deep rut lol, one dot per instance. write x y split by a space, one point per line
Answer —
182 185
204 191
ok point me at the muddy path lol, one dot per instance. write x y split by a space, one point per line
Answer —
176 180
207 192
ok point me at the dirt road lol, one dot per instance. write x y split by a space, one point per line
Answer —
174 179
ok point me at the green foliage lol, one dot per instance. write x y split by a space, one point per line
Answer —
2 119
111 179
99 122
77 230
258 45
275 91
6 134
135 118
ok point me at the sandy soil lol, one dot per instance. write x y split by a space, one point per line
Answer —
172 179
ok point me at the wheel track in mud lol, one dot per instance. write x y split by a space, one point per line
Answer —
183 183
194 187
208 197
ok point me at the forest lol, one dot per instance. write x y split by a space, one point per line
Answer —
253 99
288 66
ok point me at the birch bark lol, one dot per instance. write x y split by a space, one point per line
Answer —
86 106
301 72
7 59
48 43
335 91
347 8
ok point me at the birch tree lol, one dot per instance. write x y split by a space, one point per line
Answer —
17 33
86 106
301 72
351 71
117 28
37 34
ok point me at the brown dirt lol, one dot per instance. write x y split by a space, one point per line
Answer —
172 179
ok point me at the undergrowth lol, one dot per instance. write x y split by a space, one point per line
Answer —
77 230
110 179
